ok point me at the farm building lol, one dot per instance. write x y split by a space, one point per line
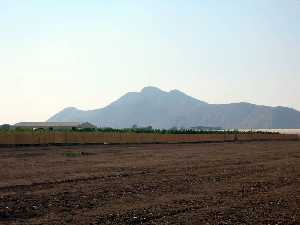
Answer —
54 125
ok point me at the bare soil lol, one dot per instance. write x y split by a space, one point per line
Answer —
224 183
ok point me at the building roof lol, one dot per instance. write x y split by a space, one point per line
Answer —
47 124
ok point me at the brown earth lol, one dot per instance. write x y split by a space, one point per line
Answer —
225 183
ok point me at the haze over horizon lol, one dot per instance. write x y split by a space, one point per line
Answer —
88 54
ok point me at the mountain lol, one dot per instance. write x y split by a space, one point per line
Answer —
161 109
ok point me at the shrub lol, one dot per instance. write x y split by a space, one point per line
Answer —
73 154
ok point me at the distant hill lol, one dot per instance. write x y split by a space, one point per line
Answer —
161 109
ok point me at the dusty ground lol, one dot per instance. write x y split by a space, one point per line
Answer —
232 183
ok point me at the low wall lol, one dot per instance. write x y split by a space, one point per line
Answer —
55 138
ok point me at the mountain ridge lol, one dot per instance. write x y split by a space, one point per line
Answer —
161 109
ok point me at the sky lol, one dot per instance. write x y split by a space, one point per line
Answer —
60 53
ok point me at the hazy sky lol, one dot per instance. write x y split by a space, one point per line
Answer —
59 53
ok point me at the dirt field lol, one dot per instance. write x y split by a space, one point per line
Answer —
232 183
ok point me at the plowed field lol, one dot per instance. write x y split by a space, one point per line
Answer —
225 183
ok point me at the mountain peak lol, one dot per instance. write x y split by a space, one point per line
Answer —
176 91
165 109
70 109
151 89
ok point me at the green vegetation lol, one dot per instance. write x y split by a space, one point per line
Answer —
5 127
73 154
161 131
135 129
147 130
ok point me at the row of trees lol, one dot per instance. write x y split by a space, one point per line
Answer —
134 129
5 127
173 130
